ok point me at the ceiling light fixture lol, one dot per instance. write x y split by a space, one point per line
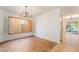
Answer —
27 13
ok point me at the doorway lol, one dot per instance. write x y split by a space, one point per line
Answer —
70 30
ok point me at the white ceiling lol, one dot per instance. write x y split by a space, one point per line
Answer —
34 10
40 9
69 10
15 9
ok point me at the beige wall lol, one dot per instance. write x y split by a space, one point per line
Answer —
4 21
48 25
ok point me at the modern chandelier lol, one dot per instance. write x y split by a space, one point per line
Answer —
25 12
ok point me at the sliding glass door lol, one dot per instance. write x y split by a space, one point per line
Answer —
70 32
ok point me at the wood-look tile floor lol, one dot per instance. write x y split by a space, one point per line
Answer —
65 47
29 44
